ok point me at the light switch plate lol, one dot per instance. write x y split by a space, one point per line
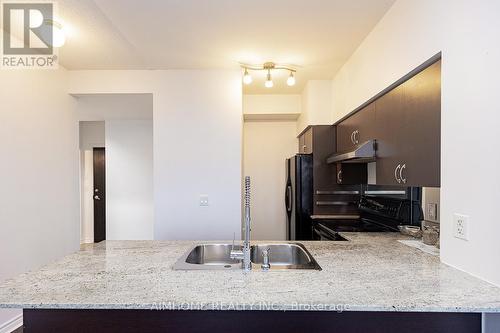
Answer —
203 200
461 226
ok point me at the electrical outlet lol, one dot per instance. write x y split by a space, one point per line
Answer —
432 211
203 200
461 226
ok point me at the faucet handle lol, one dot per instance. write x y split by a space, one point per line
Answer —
265 259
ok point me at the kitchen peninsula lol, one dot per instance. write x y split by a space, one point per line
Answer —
371 276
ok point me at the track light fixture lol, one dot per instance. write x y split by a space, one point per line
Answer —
268 66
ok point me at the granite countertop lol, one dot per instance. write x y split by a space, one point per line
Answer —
371 272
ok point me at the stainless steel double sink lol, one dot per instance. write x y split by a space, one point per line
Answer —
217 257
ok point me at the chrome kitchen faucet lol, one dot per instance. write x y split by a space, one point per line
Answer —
244 254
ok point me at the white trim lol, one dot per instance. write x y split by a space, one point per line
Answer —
12 324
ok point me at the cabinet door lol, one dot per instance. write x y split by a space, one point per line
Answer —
408 131
356 129
421 130
306 142
390 114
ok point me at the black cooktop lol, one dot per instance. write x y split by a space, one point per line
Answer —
361 225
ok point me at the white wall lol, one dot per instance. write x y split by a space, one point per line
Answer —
467 33
100 107
197 140
316 104
91 134
198 150
39 197
266 146
129 179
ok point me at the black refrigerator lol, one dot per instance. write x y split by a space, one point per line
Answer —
299 197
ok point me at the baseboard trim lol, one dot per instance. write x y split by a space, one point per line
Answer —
12 324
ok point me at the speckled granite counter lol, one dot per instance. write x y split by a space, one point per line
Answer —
372 272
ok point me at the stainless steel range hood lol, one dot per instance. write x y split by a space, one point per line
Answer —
364 153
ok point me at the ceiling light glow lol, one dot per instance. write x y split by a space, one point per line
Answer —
247 78
269 82
58 37
291 79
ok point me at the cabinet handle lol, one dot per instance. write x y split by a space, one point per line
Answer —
356 137
339 176
352 138
403 179
304 148
396 172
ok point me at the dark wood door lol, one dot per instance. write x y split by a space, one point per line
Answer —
99 195
408 128
357 129
421 131
306 141
390 115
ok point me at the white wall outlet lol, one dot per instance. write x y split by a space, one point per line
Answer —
461 226
432 211
204 200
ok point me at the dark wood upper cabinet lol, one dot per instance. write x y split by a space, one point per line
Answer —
320 141
356 129
306 141
406 123
408 131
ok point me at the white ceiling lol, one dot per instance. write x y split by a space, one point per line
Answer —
318 36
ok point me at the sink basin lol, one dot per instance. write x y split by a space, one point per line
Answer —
285 256
216 257
212 254
208 256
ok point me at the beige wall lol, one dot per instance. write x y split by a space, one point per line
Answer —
271 104
266 146
466 32
316 104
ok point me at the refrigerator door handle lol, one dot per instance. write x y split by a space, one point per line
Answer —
289 198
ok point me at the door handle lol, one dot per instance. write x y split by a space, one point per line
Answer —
396 173
403 179
96 197
289 198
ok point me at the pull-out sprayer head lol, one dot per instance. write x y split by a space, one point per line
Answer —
247 191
